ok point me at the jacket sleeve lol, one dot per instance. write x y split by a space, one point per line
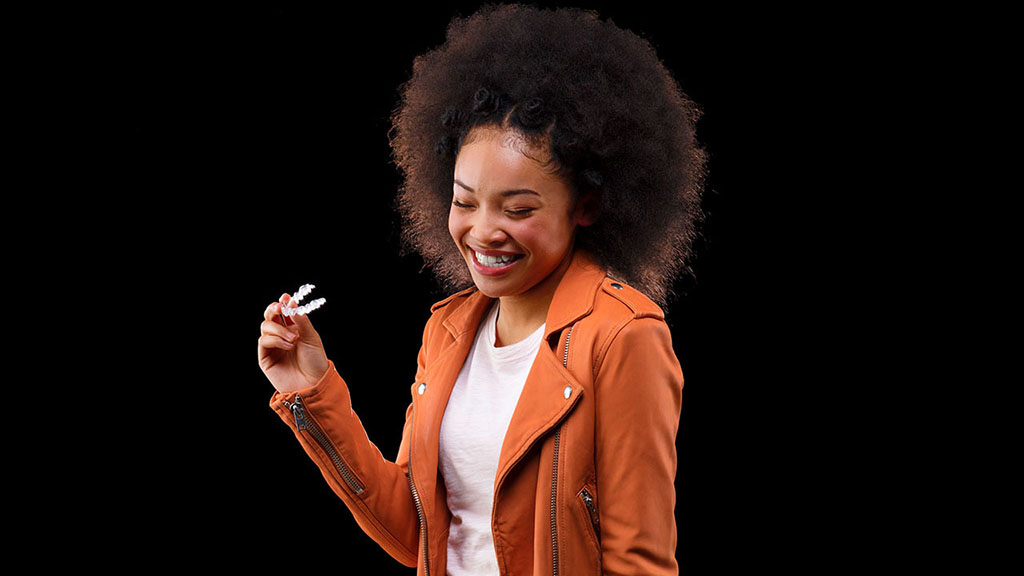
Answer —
639 387
376 490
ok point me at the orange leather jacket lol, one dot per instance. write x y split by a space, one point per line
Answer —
585 481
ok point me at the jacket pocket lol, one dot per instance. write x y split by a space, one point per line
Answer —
586 501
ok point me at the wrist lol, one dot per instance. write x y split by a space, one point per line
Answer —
319 374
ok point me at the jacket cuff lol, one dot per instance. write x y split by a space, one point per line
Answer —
329 380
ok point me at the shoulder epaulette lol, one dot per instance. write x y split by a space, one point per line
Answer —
637 301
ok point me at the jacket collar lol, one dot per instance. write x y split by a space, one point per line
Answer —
573 298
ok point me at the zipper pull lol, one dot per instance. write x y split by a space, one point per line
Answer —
588 499
300 414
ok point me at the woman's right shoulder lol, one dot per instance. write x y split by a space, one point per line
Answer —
460 294
433 336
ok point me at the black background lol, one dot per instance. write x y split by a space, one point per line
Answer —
255 141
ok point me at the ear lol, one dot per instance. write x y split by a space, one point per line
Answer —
587 206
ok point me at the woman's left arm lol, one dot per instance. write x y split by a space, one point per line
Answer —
639 388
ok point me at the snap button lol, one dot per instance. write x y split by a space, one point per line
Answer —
567 392
422 388
616 285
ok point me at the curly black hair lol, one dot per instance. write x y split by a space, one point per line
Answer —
611 116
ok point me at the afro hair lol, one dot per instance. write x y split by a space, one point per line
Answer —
615 122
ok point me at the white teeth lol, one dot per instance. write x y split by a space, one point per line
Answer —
493 261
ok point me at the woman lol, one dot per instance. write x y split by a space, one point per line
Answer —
552 181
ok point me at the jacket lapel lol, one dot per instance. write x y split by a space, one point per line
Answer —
551 391
574 297
441 376
542 403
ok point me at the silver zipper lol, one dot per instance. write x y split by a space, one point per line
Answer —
595 519
554 474
419 505
308 424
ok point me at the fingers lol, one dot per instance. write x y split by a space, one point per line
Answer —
277 324
272 328
273 311
300 321
268 341
286 300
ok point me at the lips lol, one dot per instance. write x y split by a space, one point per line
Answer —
494 262
486 252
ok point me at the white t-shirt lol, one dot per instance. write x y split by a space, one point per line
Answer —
472 431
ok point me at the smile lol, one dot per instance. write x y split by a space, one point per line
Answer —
494 265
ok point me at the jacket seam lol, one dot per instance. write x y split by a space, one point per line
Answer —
603 350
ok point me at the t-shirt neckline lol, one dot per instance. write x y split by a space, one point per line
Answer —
525 346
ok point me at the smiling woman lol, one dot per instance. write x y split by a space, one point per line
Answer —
515 225
550 175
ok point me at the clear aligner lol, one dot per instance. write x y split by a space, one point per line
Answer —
305 308
301 293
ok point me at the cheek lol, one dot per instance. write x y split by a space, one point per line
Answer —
539 236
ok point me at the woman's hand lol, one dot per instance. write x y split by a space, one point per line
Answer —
292 357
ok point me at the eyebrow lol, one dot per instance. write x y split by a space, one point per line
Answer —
506 193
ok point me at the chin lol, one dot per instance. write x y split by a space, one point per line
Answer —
490 288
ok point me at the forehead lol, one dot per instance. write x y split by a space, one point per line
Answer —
493 161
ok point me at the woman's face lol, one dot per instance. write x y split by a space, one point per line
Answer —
512 221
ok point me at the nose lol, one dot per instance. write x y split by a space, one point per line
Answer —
485 229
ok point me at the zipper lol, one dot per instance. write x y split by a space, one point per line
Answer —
554 474
308 424
554 491
419 505
595 520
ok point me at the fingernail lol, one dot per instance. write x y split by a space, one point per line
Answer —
291 336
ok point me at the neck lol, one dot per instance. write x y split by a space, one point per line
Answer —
523 313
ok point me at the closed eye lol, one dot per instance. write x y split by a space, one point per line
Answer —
520 212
